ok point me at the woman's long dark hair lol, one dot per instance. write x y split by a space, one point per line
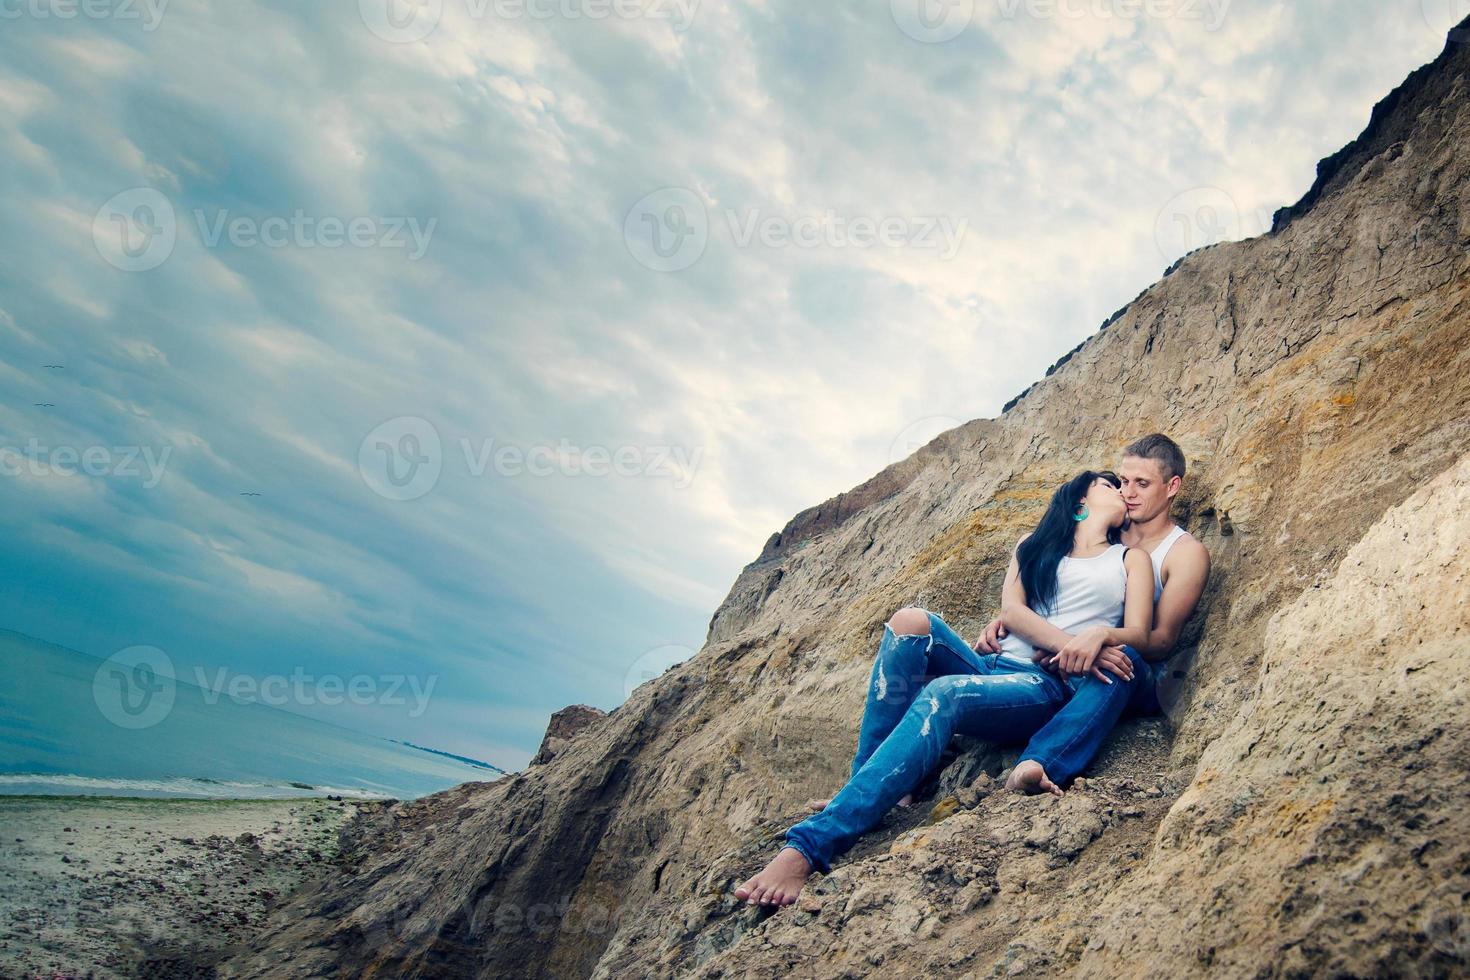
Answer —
1041 554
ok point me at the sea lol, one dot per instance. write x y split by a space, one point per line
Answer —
76 725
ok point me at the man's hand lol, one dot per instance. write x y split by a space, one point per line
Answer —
1112 659
989 641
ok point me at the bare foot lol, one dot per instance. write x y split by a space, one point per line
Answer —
817 806
1028 777
779 882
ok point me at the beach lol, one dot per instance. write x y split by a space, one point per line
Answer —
114 887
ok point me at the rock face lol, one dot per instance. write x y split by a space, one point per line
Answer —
1300 808
565 725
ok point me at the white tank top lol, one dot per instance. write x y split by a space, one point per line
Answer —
1157 556
1090 592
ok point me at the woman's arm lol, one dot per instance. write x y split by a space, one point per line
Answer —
1021 619
1076 656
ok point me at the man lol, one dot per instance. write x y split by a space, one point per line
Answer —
1152 475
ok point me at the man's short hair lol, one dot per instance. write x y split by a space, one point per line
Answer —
1162 450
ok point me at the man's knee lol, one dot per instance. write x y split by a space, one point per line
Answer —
910 621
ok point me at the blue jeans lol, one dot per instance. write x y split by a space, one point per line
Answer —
924 689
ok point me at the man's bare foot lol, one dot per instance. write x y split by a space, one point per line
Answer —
817 806
1028 777
779 882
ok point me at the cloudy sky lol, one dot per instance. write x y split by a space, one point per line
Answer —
526 323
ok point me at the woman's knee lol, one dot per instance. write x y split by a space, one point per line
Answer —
910 621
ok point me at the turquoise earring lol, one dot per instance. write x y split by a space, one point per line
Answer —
1082 516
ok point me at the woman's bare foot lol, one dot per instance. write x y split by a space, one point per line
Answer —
817 806
779 882
1029 777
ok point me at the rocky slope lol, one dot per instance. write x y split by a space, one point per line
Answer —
1300 808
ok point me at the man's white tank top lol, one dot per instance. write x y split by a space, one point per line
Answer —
1090 592
1157 556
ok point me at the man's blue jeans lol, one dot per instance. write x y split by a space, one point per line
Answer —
924 689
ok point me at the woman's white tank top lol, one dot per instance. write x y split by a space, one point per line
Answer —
1090 592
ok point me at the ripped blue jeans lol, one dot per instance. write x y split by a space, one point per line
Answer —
924 689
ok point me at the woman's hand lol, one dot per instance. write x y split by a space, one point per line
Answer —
1080 653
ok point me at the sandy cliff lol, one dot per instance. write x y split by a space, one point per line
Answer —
1301 807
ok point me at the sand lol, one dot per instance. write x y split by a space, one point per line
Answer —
106 887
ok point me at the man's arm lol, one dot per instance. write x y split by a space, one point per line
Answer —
1189 568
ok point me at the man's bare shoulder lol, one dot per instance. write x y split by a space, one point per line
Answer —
1187 552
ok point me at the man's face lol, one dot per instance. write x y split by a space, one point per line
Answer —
1145 491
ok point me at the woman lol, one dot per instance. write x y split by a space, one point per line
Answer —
1073 572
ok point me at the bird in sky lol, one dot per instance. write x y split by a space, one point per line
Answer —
249 493
54 367
45 405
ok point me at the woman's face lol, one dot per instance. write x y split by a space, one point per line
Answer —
1106 501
